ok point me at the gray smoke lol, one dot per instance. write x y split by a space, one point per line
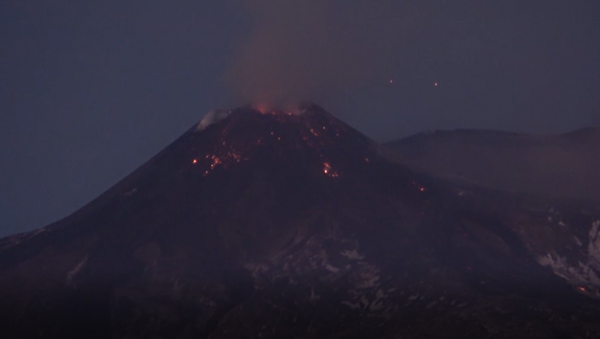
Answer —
308 50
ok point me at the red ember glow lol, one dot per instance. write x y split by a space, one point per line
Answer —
421 188
327 170
263 108
216 161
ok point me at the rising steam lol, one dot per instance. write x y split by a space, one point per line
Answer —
308 50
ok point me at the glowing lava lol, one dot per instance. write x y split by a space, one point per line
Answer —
216 161
262 108
421 188
327 170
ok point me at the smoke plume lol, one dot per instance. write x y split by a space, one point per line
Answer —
309 50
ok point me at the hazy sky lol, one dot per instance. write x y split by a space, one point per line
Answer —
89 90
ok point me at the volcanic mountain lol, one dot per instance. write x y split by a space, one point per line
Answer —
562 166
294 225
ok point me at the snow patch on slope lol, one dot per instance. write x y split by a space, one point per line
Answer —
212 117
72 273
584 275
594 245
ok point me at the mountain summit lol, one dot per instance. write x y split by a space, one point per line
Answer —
277 224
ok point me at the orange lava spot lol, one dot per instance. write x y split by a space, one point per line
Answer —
421 188
327 170
581 288
194 161
262 108
216 161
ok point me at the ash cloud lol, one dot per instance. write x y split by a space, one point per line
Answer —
309 50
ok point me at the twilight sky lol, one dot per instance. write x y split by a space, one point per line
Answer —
89 90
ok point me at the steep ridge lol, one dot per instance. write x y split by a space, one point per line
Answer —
292 224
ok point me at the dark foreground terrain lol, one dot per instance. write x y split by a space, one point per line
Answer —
294 225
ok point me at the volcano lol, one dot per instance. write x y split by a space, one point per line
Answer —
294 225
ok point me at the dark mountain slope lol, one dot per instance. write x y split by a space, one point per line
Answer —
284 225
561 166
